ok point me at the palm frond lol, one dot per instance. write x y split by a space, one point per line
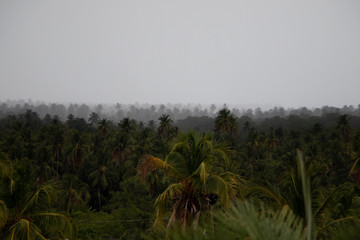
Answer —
306 190
4 165
347 229
216 184
355 167
327 200
266 192
245 221
150 163
12 186
25 230
42 193
3 214
170 192
202 170
54 224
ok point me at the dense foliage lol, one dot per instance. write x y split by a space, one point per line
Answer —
93 178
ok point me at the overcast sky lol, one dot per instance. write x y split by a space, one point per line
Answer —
265 52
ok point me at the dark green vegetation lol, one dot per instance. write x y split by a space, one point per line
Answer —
293 177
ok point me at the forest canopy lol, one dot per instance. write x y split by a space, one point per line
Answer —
155 172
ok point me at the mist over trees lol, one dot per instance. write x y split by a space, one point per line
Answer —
147 112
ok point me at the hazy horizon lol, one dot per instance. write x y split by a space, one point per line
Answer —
242 53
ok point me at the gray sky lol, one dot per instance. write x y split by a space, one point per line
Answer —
266 52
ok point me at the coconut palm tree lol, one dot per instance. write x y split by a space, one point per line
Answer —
99 180
24 209
344 127
103 127
77 151
196 179
127 125
73 193
225 121
164 125
272 143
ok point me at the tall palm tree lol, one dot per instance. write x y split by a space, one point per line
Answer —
99 180
343 124
225 121
164 125
53 141
103 127
127 125
78 151
121 146
272 142
197 181
73 193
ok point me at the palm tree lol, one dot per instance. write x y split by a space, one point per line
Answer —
344 127
99 180
52 142
103 126
93 119
127 125
78 151
121 147
73 193
225 121
196 180
272 142
164 125
24 213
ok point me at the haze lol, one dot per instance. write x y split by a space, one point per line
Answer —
281 52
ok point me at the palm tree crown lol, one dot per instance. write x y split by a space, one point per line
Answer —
225 121
197 181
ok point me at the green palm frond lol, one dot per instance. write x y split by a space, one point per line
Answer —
4 165
3 214
245 221
306 190
179 164
347 229
41 194
202 171
25 230
170 192
150 163
218 185
54 224
355 167
266 192
327 200
12 186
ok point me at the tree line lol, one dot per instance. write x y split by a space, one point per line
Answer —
147 112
